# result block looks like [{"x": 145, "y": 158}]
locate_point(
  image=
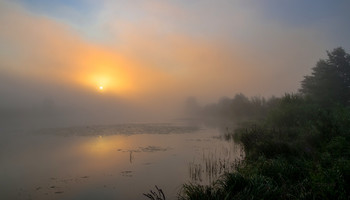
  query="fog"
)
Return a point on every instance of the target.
[
  {"x": 148, "y": 57},
  {"x": 38, "y": 104},
  {"x": 201, "y": 99}
]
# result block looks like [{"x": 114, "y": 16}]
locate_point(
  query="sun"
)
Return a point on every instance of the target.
[{"x": 101, "y": 87}]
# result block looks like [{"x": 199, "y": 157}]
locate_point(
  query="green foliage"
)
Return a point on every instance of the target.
[
  {"x": 238, "y": 109},
  {"x": 341, "y": 118},
  {"x": 200, "y": 192},
  {"x": 329, "y": 82},
  {"x": 292, "y": 110},
  {"x": 339, "y": 147},
  {"x": 328, "y": 183},
  {"x": 300, "y": 151},
  {"x": 296, "y": 146},
  {"x": 233, "y": 186},
  {"x": 252, "y": 187}
]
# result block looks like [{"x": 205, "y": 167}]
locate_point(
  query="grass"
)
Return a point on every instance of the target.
[
  {"x": 299, "y": 151},
  {"x": 158, "y": 194}
]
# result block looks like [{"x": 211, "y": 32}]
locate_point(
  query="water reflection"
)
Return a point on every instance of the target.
[
  {"x": 99, "y": 146},
  {"x": 106, "y": 166}
]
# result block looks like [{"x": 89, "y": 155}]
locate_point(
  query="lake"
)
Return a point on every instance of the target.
[{"x": 120, "y": 161}]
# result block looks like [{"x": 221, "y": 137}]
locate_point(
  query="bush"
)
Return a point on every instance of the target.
[
  {"x": 233, "y": 186},
  {"x": 300, "y": 151}
]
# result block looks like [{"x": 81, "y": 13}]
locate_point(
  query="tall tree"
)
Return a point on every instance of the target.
[{"x": 329, "y": 82}]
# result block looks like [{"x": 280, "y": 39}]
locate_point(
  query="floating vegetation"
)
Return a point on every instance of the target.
[
  {"x": 153, "y": 149},
  {"x": 108, "y": 170},
  {"x": 120, "y": 129},
  {"x": 148, "y": 149},
  {"x": 127, "y": 173}
]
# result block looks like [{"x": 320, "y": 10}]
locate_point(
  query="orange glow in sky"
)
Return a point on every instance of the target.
[
  {"x": 155, "y": 57},
  {"x": 103, "y": 70}
]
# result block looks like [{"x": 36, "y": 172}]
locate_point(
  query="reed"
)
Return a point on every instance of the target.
[{"x": 158, "y": 194}]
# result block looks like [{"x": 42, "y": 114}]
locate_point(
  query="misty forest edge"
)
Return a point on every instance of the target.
[{"x": 296, "y": 146}]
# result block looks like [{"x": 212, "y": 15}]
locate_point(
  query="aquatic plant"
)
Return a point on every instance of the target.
[
  {"x": 300, "y": 149},
  {"x": 155, "y": 195}
]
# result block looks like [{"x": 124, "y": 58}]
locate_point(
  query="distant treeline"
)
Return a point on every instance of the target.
[
  {"x": 237, "y": 109},
  {"x": 296, "y": 146},
  {"x": 327, "y": 86}
]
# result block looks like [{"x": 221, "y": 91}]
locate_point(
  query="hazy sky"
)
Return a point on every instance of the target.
[{"x": 147, "y": 52}]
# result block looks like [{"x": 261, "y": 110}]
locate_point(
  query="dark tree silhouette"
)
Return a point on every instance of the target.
[{"x": 329, "y": 82}]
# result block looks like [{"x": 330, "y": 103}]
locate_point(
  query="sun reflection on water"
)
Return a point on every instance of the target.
[{"x": 103, "y": 146}]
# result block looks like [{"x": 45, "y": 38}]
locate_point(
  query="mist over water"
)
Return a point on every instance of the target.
[
  {"x": 147, "y": 59},
  {"x": 29, "y": 104},
  {"x": 97, "y": 97},
  {"x": 107, "y": 161}
]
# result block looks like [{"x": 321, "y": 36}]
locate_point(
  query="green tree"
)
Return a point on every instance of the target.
[{"x": 329, "y": 82}]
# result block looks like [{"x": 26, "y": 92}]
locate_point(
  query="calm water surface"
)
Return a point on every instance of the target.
[{"x": 111, "y": 162}]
